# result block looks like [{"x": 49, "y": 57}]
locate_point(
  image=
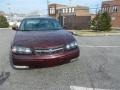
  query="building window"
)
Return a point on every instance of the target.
[
  {"x": 102, "y": 9},
  {"x": 66, "y": 10},
  {"x": 70, "y": 10},
  {"x": 52, "y": 10},
  {"x": 115, "y": 9},
  {"x": 110, "y": 9},
  {"x": 63, "y": 10},
  {"x": 105, "y": 9},
  {"x": 73, "y": 9}
]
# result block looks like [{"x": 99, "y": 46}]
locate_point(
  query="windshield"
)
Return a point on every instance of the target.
[{"x": 40, "y": 24}]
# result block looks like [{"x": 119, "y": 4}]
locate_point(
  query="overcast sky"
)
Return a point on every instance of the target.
[{"x": 26, "y": 6}]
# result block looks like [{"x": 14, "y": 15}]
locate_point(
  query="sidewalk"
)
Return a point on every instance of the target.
[{"x": 92, "y": 33}]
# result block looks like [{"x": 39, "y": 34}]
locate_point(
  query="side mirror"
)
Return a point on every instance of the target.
[
  {"x": 64, "y": 27},
  {"x": 71, "y": 32},
  {"x": 15, "y": 28}
]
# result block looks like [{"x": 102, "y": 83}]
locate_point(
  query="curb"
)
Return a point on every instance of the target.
[
  {"x": 89, "y": 35},
  {"x": 4, "y": 28}
]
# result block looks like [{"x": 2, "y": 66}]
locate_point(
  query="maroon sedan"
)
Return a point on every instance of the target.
[{"x": 42, "y": 42}]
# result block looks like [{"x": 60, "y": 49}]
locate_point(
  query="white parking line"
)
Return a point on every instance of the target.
[
  {"x": 85, "y": 88},
  {"x": 90, "y": 46}
]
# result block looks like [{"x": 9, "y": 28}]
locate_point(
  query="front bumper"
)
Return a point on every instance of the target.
[{"x": 43, "y": 61}]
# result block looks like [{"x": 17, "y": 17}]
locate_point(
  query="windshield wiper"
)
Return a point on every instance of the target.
[
  {"x": 27, "y": 30},
  {"x": 55, "y": 29}
]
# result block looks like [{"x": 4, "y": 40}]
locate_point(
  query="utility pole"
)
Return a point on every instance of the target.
[
  {"x": 70, "y": 2},
  {"x": 10, "y": 12},
  {"x": 48, "y": 7},
  {"x": 97, "y": 8},
  {"x": 9, "y": 8}
]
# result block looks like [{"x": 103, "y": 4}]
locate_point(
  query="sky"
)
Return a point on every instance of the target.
[{"x": 27, "y": 6}]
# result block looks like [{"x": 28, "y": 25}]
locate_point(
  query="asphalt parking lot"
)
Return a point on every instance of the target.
[{"x": 98, "y": 67}]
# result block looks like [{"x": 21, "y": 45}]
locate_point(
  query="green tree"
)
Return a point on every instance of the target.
[
  {"x": 102, "y": 22},
  {"x": 94, "y": 23},
  {"x": 3, "y": 22}
]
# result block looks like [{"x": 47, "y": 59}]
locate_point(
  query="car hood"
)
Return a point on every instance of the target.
[{"x": 42, "y": 39}]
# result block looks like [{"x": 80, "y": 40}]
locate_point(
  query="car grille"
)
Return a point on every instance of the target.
[{"x": 49, "y": 51}]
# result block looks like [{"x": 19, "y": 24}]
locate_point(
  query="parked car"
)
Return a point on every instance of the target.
[{"x": 42, "y": 42}]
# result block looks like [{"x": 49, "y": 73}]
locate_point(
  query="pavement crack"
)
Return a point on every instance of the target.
[
  {"x": 103, "y": 72},
  {"x": 3, "y": 77},
  {"x": 90, "y": 78}
]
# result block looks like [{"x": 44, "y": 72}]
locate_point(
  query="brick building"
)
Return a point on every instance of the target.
[
  {"x": 113, "y": 8},
  {"x": 77, "y": 17}
]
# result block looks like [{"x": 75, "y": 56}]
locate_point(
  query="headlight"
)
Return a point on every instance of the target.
[
  {"x": 71, "y": 45},
  {"x": 21, "y": 50}
]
